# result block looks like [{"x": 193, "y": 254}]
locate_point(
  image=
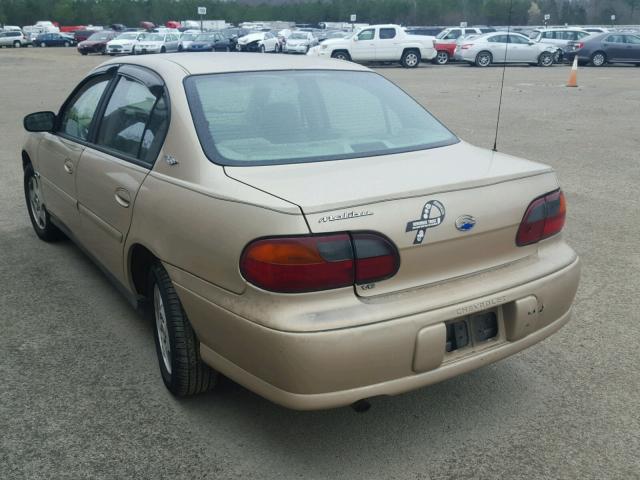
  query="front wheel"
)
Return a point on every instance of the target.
[
  {"x": 262, "y": 49},
  {"x": 410, "y": 59},
  {"x": 163, "y": 50},
  {"x": 177, "y": 347},
  {"x": 545, "y": 59},
  {"x": 38, "y": 214},
  {"x": 67, "y": 44},
  {"x": 42, "y": 44},
  {"x": 442, "y": 58},
  {"x": 483, "y": 59},
  {"x": 598, "y": 59},
  {"x": 341, "y": 55},
  {"x": 17, "y": 44}
]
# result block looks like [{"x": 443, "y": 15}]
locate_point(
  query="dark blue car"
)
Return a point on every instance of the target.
[
  {"x": 54, "y": 40},
  {"x": 210, "y": 42}
]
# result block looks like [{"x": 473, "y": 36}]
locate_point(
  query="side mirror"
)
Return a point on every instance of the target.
[{"x": 39, "y": 122}]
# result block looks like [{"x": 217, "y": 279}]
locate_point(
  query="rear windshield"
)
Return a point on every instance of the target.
[{"x": 276, "y": 117}]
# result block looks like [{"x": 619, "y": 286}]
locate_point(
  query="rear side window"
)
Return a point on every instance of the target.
[
  {"x": 126, "y": 118},
  {"x": 78, "y": 114},
  {"x": 387, "y": 33},
  {"x": 615, "y": 39}
]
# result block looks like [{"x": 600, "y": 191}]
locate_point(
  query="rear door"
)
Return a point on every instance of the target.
[
  {"x": 615, "y": 47},
  {"x": 388, "y": 45},
  {"x": 59, "y": 152},
  {"x": 129, "y": 135},
  {"x": 632, "y": 50}
]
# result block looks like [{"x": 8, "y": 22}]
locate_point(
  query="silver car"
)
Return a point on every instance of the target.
[
  {"x": 502, "y": 47},
  {"x": 560, "y": 37},
  {"x": 12, "y": 39},
  {"x": 158, "y": 43}
]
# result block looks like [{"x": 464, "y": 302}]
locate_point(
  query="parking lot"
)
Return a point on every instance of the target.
[{"x": 80, "y": 393}]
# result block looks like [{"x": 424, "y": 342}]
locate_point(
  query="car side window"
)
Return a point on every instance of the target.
[
  {"x": 632, "y": 39},
  {"x": 517, "y": 39},
  {"x": 125, "y": 118},
  {"x": 366, "y": 34},
  {"x": 387, "y": 33},
  {"x": 76, "y": 119},
  {"x": 498, "y": 39},
  {"x": 615, "y": 39},
  {"x": 453, "y": 34}
]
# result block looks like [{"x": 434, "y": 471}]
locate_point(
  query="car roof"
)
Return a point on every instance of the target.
[{"x": 204, "y": 63}]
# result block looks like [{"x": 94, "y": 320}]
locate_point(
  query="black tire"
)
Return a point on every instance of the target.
[
  {"x": 545, "y": 59},
  {"x": 410, "y": 59},
  {"x": 40, "y": 219},
  {"x": 598, "y": 59},
  {"x": 17, "y": 44},
  {"x": 441, "y": 58},
  {"x": 262, "y": 49},
  {"x": 83, "y": 53},
  {"x": 187, "y": 374},
  {"x": 341, "y": 55},
  {"x": 484, "y": 59},
  {"x": 43, "y": 45},
  {"x": 163, "y": 50},
  {"x": 180, "y": 48}
]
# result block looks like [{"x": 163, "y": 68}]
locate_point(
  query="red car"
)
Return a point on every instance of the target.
[
  {"x": 97, "y": 43},
  {"x": 446, "y": 41}
]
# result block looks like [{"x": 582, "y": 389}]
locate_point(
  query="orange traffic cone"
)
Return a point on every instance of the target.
[{"x": 573, "y": 76}]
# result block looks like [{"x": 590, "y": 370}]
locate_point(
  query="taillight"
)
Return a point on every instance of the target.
[
  {"x": 578, "y": 46},
  {"x": 318, "y": 262},
  {"x": 544, "y": 217}
]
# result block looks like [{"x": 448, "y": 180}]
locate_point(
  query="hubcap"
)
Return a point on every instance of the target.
[
  {"x": 484, "y": 60},
  {"x": 598, "y": 60},
  {"x": 161, "y": 327},
  {"x": 411, "y": 59},
  {"x": 547, "y": 60},
  {"x": 442, "y": 57},
  {"x": 35, "y": 201}
]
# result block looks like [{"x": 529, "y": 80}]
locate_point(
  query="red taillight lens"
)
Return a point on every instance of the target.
[
  {"x": 318, "y": 262},
  {"x": 544, "y": 217},
  {"x": 579, "y": 46}
]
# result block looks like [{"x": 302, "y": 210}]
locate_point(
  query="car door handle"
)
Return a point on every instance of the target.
[
  {"x": 68, "y": 166},
  {"x": 122, "y": 197}
]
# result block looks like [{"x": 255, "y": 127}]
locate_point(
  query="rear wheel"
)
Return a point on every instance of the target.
[
  {"x": 341, "y": 55},
  {"x": 442, "y": 58},
  {"x": 38, "y": 214},
  {"x": 410, "y": 59},
  {"x": 183, "y": 372},
  {"x": 42, "y": 44},
  {"x": 598, "y": 59},
  {"x": 484, "y": 59},
  {"x": 545, "y": 59},
  {"x": 67, "y": 44}
]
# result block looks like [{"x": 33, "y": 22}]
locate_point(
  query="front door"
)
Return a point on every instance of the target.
[
  {"x": 111, "y": 171},
  {"x": 615, "y": 47},
  {"x": 363, "y": 46},
  {"x": 59, "y": 152},
  {"x": 632, "y": 50}
]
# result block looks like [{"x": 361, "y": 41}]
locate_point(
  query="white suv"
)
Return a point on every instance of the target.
[{"x": 12, "y": 39}]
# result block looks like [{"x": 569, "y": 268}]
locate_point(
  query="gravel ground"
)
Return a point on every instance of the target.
[{"x": 80, "y": 391}]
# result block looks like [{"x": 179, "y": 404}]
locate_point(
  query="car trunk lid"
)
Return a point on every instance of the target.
[{"x": 451, "y": 211}]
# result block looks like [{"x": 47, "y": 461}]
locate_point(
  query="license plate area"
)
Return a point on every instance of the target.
[{"x": 474, "y": 332}]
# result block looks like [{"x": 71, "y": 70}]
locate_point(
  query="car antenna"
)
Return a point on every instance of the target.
[{"x": 504, "y": 69}]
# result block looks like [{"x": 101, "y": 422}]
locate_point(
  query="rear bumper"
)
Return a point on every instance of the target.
[{"x": 333, "y": 368}]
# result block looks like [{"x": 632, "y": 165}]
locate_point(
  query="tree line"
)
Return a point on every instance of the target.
[{"x": 406, "y": 12}]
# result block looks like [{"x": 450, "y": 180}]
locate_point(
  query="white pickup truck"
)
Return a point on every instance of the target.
[{"x": 379, "y": 43}]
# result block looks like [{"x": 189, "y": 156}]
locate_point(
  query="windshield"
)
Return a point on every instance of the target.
[
  {"x": 127, "y": 36},
  {"x": 188, "y": 36},
  {"x": 96, "y": 37},
  {"x": 275, "y": 117},
  {"x": 204, "y": 37},
  {"x": 155, "y": 37},
  {"x": 298, "y": 36}
]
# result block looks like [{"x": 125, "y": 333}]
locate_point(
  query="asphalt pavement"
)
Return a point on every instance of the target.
[{"x": 80, "y": 391}]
